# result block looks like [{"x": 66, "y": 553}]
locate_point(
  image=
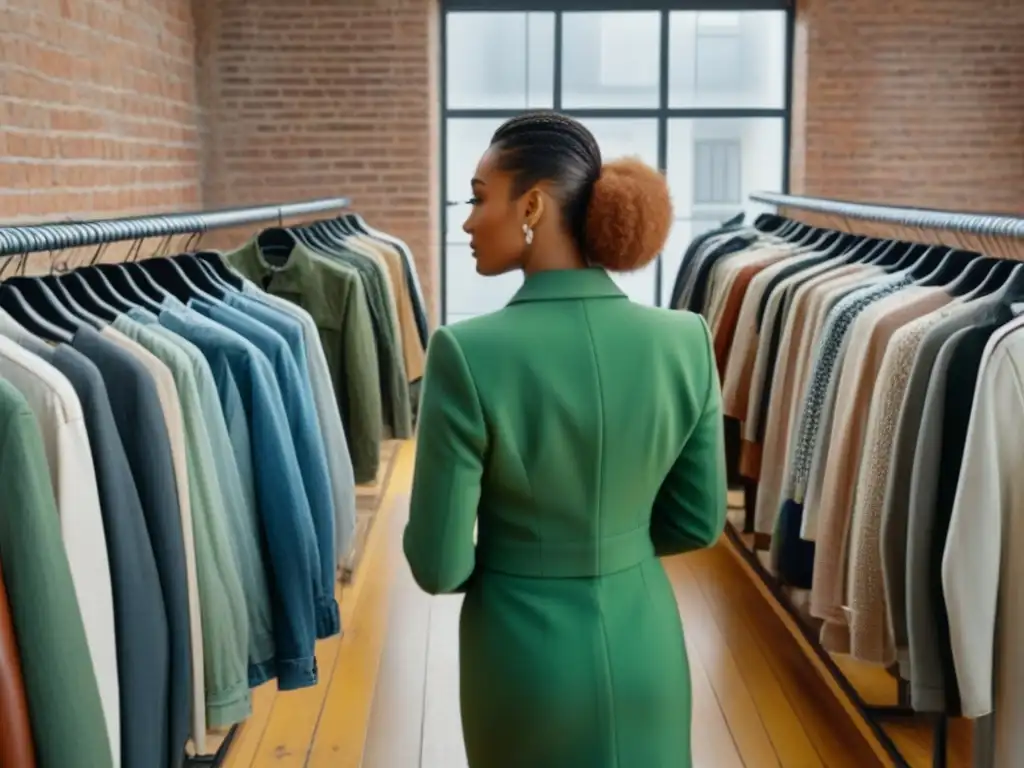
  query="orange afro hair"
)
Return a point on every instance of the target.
[{"x": 629, "y": 216}]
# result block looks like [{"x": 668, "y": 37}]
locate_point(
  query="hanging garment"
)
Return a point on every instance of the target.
[
  {"x": 285, "y": 519},
  {"x": 342, "y": 475},
  {"x": 239, "y": 498},
  {"x": 136, "y": 409},
  {"x": 16, "y": 747},
  {"x": 69, "y": 456},
  {"x": 335, "y": 299},
  {"x": 354, "y": 258},
  {"x": 980, "y": 569},
  {"x": 221, "y": 596},
  {"x": 170, "y": 405},
  {"x": 64, "y": 703},
  {"x": 140, "y": 618},
  {"x": 309, "y": 447}
]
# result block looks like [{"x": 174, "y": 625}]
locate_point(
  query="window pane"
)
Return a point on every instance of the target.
[
  {"x": 470, "y": 294},
  {"x": 500, "y": 60},
  {"x": 466, "y": 293},
  {"x": 725, "y": 59},
  {"x": 619, "y": 138},
  {"x": 610, "y": 59},
  {"x": 714, "y": 165}
]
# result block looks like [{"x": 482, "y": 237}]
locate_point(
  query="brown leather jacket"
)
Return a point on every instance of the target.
[{"x": 16, "y": 746}]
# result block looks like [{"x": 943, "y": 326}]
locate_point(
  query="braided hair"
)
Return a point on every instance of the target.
[{"x": 619, "y": 213}]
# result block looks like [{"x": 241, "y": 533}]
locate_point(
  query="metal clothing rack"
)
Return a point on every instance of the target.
[
  {"x": 54, "y": 236},
  {"x": 918, "y": 218}
]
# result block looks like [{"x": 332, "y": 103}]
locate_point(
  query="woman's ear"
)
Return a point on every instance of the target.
[{"x": 534, "y": 206}]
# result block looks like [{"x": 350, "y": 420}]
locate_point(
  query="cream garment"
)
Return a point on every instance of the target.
[
  {"x": 825, "y": 301},
  {"x": 871, "y": 637},
  {"x": 69, "y": 455},
  {"x": 171, "y": 406},
  {"x": 412, "y": 347},
  {"x": 868, "y": 338},
  {"x": 796, "y": 346},
  {"x": 982, "y": 569},
  {"x": 752, "y": 430}
]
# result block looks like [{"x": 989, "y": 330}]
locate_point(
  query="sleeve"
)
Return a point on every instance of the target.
[
  {"x": 989, "y": 490},
  {"x": 450, "y": 450},
  {"x": 689, "y": 510},
  {"x": 361, "y": 377}
]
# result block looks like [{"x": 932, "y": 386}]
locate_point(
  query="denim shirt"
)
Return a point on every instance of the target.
[
  {"x": 305, "y": 430},
  {"x": 285, "y": 518}
]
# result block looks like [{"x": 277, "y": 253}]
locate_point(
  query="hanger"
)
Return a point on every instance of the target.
[
  {"x": 276, "y": 245},
  {"x": 193, "y": 270},
  {"x": 119, "y": 279},
  {"x": 214, "y": 263},
  {"x": 91, "y": 281},
  {"x": 955, "y": 263},
  {"x": 76, "y": 292},
  {"x": 14, "y": 302},
  {"x": 169, "y": 275},
  {"x": 142, "y": 278}
]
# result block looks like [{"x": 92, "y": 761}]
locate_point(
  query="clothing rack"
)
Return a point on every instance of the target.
[
  {"x": 53, "y": 236},
  {"x": 972, "y": 224},
  {"x": 922, "y": 218},
  {"x": 37, "y": 238}
]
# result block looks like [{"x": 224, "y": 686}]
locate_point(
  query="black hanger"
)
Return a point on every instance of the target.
[
  {"x": 96, "y": 280},
  {"x": 952, "y": 264},
  {"x": 53, "y": 328},
  {"x": 973, "y": 276},
  {"x": 167, "y": 274},
  {"x": 193, "y": 269},
  {"x": 999, "y": 274},
  {"x": 215, "y": 262},
  {"x": 276, "y": 245},
  {"x": 94, "y": 315}
]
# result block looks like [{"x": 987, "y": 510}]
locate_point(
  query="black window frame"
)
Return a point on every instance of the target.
[{"x": 662, "y": 113}]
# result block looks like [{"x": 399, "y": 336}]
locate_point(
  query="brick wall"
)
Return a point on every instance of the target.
[
  {"x": 308, "y": 98},
  {"x": 98, "y": 110},
  {"x": 911, "y": 102}
]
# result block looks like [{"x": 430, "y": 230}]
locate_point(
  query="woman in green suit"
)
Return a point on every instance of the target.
[{"x": 582, "y": 434}]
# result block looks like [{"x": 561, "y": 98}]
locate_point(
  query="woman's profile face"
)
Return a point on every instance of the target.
[{"x": 495, "y": 223}]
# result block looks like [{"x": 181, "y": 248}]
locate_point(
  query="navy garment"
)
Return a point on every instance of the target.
[
  {"x": 307, "y": 437},
  {"x": 285, "y": 519},
  {"x": 139, "y": 419}
]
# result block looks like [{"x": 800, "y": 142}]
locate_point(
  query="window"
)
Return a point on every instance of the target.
[{"x": 710, "y": 111}]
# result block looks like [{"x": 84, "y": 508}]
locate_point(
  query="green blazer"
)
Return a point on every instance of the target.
[{"x": 582, "y": 434}]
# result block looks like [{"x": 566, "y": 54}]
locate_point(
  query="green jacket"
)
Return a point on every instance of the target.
[
  {"x": 60, "y": 686},
  {"x": 582, "y": 434}
]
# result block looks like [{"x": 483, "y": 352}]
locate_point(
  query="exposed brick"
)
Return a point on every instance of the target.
[{"x": 910, "y": 102}]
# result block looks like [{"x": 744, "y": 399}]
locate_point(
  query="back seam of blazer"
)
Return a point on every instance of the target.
[{"x": 609, "y": 682}]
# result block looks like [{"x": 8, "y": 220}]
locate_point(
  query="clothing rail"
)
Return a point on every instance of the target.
[
  {"x": 37, "y": 238},
  {"x": 54, "y": 236},
  {"x": 922, "y": 218}
]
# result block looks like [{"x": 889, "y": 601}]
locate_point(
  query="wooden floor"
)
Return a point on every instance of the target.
[{"x": 388, "y": 696}]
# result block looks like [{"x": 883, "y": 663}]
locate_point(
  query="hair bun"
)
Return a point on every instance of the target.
[{"x": 629, "y": 216}]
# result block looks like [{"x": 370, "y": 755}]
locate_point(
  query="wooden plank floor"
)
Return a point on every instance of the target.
[{"x": 388, "y": 695}]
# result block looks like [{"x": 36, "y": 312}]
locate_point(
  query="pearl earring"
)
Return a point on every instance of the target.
[{"x": 528, "y": 232}]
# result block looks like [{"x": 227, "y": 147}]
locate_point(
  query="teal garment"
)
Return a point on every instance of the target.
[
  {"x": 222, "y": 600},
  {"x": 583, "y": 435},
  {"x": 240, "y": 505},
  {"x": 63, "y": 697}
]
